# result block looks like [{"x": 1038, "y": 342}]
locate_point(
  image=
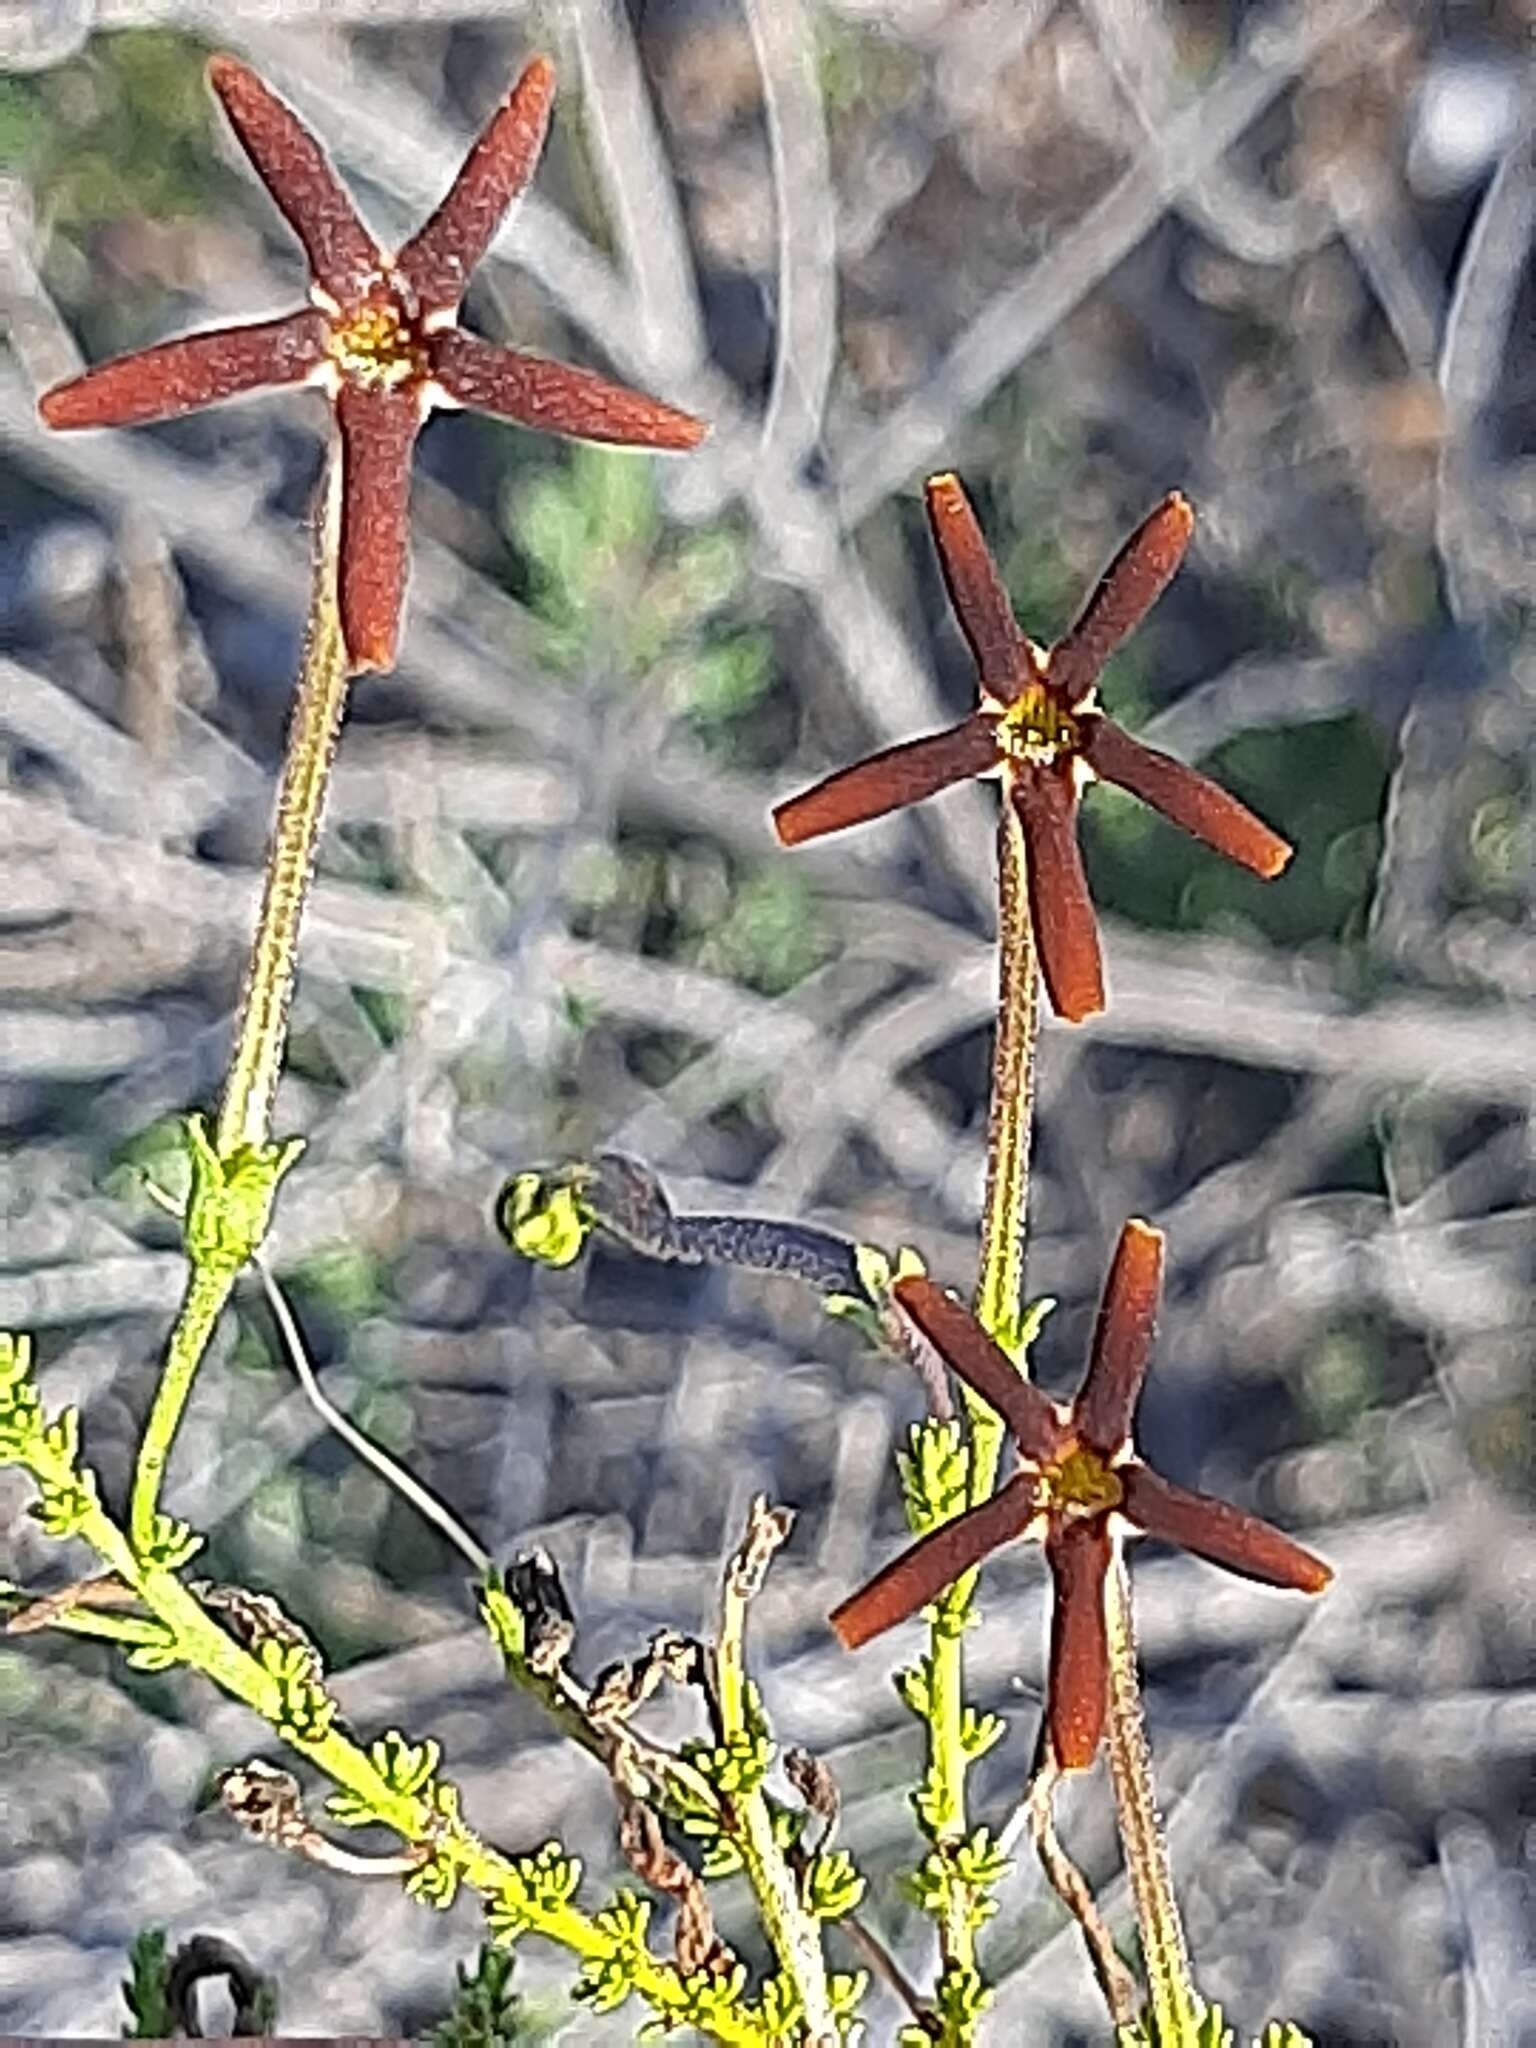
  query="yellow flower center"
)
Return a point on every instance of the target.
[
  {"x": 1035, "y": 729},
  {"x": 1079, "y": 1483},
  {"x": 377, "y": 346}
]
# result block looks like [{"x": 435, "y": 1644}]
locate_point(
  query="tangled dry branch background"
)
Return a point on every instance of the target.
[{"x": 1278, "y": 256}]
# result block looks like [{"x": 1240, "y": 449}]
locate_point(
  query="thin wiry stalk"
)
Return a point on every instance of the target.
[
  {"x": 245, "y": 1112},
  {"x": 1174, "y": 2001},
  {"x": 1072, "y": 1888},
  {"x": 421, "y": 1498}
]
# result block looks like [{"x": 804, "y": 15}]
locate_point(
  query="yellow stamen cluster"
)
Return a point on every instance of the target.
[
  {"x": 1035, "y": 729},
  {"x": 377, "y": 346},
  {"x": 1079, "y": 1483}
]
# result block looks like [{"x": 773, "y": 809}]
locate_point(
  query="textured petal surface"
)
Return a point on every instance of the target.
[
  {"x": 556, "y": 398},
  {"x": 888, "y": 781},
  {"x": 301, "y": 178},
  {"x": 1216, "y": 1530},
  {"x": 1079, "y": 1681},
  {"x": 1127, "y": 591},
  {"x": 1202, "y": 807},
  {"x": 1066, "y": 930},
  {"x": 196, "y": 370},
  {"x": 439, "y": 260},
  {"x": 976, "y": 590},
  {"x": 967, "y": 1350},
  {"x": 378, "y": 431},
  {"x": 1122, "y": 1339},
  {"x": 921, "y": 1573}
]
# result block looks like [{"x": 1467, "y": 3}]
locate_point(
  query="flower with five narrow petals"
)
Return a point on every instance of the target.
[
  {"x": 1080, "y": 1486},
  {"x": 1037, "y": 722},
  {"x": 381, "y": 336}
]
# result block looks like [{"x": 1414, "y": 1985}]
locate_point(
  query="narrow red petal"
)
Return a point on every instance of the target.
[
  {"x": 1216, "y": 1530},
  {"x": 976, "y": 590},
  {"x": 1077, "y": 1694},
  {"x": 967, "y": 1350},
  {"x": 1066, "y": 930},
  {"x": 922, "y": 1572},
  {"x": 301, "y": 179},
  {"x": 1127, "y": 591},
  {"x": 195, "y": 370},
  {"x": 555, "y": 398},
  {"x": 440, "y": 258},
  {"x": 1122, "y": 1340},
  {"x": 378, "y": 432},
  {"x": 1185, "y": 796},
  {"x": 888, "y": 781}
]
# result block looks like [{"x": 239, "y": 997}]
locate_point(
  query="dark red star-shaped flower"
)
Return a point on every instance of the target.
[
  {"x": 382, "y": 337},
  {"x": 1036, "y": 720},
  {"x": 1080, "y": 1487}
]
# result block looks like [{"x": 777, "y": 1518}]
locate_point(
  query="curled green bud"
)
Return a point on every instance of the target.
[{"x": 543, "y": 1219}]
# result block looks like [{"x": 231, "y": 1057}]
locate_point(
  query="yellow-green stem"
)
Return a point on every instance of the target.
[
  {"x": 793, "y": 1934},
  {"x": 208, "y": 1288},
  {"x": 1175, "y": 2004},
  {"x": 245, "y": 1112},
  {"x": 999, "y": 1307}
]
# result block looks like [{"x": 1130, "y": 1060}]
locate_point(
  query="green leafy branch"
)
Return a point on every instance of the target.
[{"x": 392, "y": 1782}]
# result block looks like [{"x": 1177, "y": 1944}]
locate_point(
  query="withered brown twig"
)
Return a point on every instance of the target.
[{"x": 267, "y": 1804}]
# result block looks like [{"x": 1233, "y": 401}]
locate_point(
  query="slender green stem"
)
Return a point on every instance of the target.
[
  {"x": 245, "y": 1113},
  {"x": 999, "y": 1307},
  {"x": 1175, "y": 2004},
  {"x": 244, "y": 1122},
  {"x": 208, "y": 1288},
  {"x": 793, "y": 1933}
]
